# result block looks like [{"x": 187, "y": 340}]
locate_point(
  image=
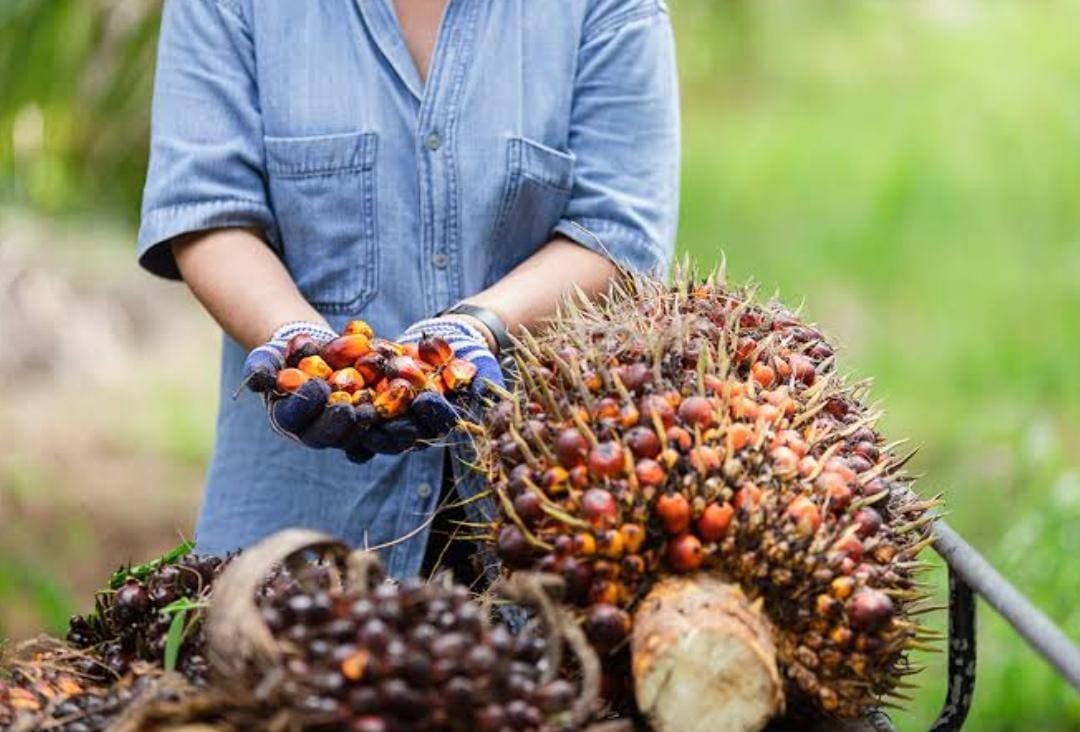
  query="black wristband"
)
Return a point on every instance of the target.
[{"x": 490, "y": 320}]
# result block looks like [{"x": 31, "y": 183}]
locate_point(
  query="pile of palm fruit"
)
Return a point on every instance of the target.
[{"x": 668, "y": 429}]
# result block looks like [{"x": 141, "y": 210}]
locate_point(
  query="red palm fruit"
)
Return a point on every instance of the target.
[
  {"x": 291, "y": 379},
  {"x": 785, "y": 462},
  {"x": 529, "y": 508},
  {"x": 674, "y": 512},
  {"x": 791, "y": 439},
  {"x": 802, "y": 369},
  {"x": 395, "y": 400},
  {"x": 763, "y": 374},
  {"x": 697, "y": 411},
  {"x": 607, "y": 460},
  {"x": 649, "y": 472},
  {"x": 584, "y": 544},
  {"x": 807, "y": 466},
  {"x": 830, "y": 483},
  {"x": 606, "y": 625},
  {"x": 868, "y": 522},
  {"x": 554, "y": 480},
  {"x": 300, "y": 346},
  {"x": 407, "y": 368},
  {"x": 839, "y": 465},
  {"x": 859, "y": 463},
  {"x": 783, "y": 368},
  {"x": 714, "y": 521},
  {"x": 738, "y": 436},
  {"x": 339, "y": 397},
  {"x": 434, "y": 351},
  {"x": 680, "y": 438},
  {"x": 633, "y": 537},
  {"x": 685, "y": 553},
  {"x": 745, "y": 348},
  {"x": 654, "y": 404},
  {"x": 870, "y": 609},
  {"x": 610, "y": 544},
  {"x": 643, "y": 442},
  {"x": 868, "y": 450},
  {"x": 634, "y": 376},
  {"x": 344, "y": 350},
  {"x": 458, "y": 374},
  {"x": 744, "y": 408},
  {"x": 633, "y": 566},
  {"x": 579, "y": 476},
  {"x": 769, "y": 414},
  {"x": 315, "y": 367},
  {"x": 358, "y": 327},
  {"x": 806, "y": 515},
  {"x": 380, "y": 385},
  {"x": 714, "y": 384},
  {"x": 673, "y": 397},
  {"x": 387, "y": 349},
  {"x": 571, "y": 448},
  {"x": 347, "y": 379},
  {"x": 606, "y": 408},
  {"x": 839, "y": 495},
  {"x": 372, "y": 366},
  {"x": 705, "y": 459},
  {"x": 411, "y": 350},
  {"x": 599, "y": 508},
  {"x": 578, "y": 576},
  {"x": 849, "y": 546}
]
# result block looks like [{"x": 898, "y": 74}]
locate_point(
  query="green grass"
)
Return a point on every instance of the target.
[{"x": 915, "y": 178}]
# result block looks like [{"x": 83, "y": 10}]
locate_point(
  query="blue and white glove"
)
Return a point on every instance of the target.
[
  {"x": 304, "y": 414},
  {"x": 436, "y": 414}
]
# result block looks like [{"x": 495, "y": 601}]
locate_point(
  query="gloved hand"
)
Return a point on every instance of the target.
[{"x": 304, "y": 414}]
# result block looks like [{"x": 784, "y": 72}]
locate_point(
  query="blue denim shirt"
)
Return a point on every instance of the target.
[{"x": 390, "y": 199}]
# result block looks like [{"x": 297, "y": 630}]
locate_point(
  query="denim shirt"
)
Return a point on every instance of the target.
[{"x": 389, "y": 198}]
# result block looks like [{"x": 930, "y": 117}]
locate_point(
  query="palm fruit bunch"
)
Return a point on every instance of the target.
[
  {"x": 672, "y": 428},
  {"x": 132, "y": 618},
  {"x": 358, "y": 381},
  {"x": 415, "y": 655}
]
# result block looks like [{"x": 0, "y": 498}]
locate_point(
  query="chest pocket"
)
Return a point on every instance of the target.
[
  {"x": 537, "y": 189},
  {"x": 323, "y": 193}
]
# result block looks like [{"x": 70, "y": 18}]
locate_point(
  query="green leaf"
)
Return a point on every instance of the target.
[
  {"x": 141, "y": 571},
  {"x": 183, "y": 604},
  {"x": 174, "y": 639}
]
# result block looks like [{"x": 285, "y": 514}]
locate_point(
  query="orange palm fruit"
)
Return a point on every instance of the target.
[
  {"x": 344, "y": 350},
  {"x": 300, "y": 346},
  {"x": 674, "y": 512},
  {"x": 347, "y": 379},
  {"x": 315, "y": 367},
  {"x": 394, "y": 400},
  {"x": 339, "y": 397},
  {"x": 633, "y": 537},
  {"x": 434, "y": 351},
  {"x": 407, "y": 368},
  {"x": 685, "y": 553},
  {"x": 291, "y": 379},
  {"x": 458, "y": 373},
  {"x": 714, "y": 521},
  {"x": 358, "y": 327}
]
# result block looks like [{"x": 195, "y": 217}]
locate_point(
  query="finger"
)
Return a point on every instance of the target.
[
  {"x": 298, "y": 410},
  {"x": 433, "y": 413},
  {"x": 261, "y": 368},
  {"x": 329, "y": 428}
]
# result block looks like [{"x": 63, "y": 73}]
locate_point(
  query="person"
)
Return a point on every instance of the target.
[{"x": 317, "y": 162}]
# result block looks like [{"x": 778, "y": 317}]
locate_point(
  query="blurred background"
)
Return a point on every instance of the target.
[{"x": 911, "y": 171}]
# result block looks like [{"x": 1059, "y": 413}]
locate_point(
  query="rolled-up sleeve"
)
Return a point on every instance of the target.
[
  {"x": 206, "y": 154},
  {"x": 624, "y": 134}
]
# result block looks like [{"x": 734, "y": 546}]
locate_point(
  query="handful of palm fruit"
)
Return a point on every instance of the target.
[{"x": 357, "y": 381}]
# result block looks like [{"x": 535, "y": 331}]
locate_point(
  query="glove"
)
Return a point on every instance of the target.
[
  {"x": 435, "y": 414},
  {"x": 304, "y": 414}
]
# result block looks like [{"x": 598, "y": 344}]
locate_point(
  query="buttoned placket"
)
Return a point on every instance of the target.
[{"x": 437, "y": 174}]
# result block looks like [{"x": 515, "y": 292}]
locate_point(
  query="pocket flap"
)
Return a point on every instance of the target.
[
  {"x": 542, "y": 164},
  {"x": 300, "y": 157}
]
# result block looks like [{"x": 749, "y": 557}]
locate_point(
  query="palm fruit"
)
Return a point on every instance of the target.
[
  {"x": 716, "y": 432},
  {"x": 128, "y": 623},
  {"x": 412, "y": 656}
]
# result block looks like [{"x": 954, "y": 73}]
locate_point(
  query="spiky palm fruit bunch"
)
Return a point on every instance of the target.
[
  {"x": 666, "y": 429},
  {"x": 131, "y": 619},
  {"x": 412, "y": 656}
]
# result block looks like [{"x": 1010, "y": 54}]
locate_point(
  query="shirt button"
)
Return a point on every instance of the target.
[
  {"x": 440, "y": 260},
  {"x": 433, "y": 141},
  {"x": 423, "y": 490}
]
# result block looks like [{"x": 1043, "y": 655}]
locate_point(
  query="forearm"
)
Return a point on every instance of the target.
[
  {"x": 532, "y": 290},
  {"x": 241, "y": 283}
]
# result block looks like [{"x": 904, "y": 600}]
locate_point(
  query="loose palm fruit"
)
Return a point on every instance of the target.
[
  {"x": 607, "y": 460},
  {"x": 434, "y": 351},
  {"x": 649, "y": 472},
  {"x": 394, "y": 400},
  {"x": 358, "y": 327},
  {"x": 674, "y": 511},
  {"x": 405, "y": 367},
  {"x": 685, "y": 553},
  {"x": 571, "y": 447},
  {"x": 714, "y": 521},
  {"x": 599, "y": 508},
  {"x": 643, "y": 442},
  {"x": 300, "y": 346},
  {"x": 347, "y": 380},
  {"x": 372, "y": 367},
  {"x": 291, "y": 379},
  {"x": 345, "y": 350},
  {"x": 339, "y": 397},
  {"x": 458, "y": 374}
]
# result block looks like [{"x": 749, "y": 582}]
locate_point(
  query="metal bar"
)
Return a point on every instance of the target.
[
  {"x": 961, "y": 656},
  {"x": 1032, "y": 625}
]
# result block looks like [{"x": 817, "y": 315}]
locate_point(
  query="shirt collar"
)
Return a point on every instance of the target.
[{"x": 382, "y": 24}]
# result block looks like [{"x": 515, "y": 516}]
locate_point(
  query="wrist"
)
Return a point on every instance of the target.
[
  {"x": 490, "y": 323},
  {"x": 477, "y": 325}
]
